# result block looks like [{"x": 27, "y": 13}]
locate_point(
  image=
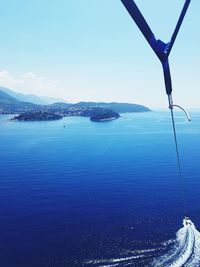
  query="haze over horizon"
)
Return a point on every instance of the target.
[{"x": 93, "y": 51}]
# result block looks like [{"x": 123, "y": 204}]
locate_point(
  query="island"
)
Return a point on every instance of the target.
[
  {"x": 104, "y": 115},
  {"x": 37, "y": 116},
  {"x": 95, "y": 114}
]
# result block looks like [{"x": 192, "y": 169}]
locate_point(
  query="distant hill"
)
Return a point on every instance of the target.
[
  {"x": 52, "y": 100},
  {"x": 7, "y": 99},
  {"x": 38, "y": 100},
  {"x": 117, "y": 107},
  {"x": 9, "y": 104},
  {"x": 60, "y": 105}
]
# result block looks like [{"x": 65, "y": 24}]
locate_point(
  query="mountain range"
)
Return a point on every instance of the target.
[
  {"x": 12, "y": 102},
  {"x": 38, "y": 100},
  {"x": 7, "y": 99}
]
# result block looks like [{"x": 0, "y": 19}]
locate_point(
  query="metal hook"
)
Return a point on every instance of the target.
[
  {"x": 186, "y": 113},
  {"x": 171, "y": 106}
]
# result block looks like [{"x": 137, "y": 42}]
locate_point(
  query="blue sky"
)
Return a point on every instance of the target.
[{"x": 93, "y": 51}]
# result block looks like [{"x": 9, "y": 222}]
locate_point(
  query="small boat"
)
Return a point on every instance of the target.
[{"x": 187, "y": 221}]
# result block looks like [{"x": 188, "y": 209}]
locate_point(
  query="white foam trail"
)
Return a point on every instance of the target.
[
  {"x": 186, "y": 251},
  {"x": 116, "y": 260},
  {"x": 126, "y": 260}
]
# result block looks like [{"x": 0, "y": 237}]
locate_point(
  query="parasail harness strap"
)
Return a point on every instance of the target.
[{"x": 162, "y": 50}]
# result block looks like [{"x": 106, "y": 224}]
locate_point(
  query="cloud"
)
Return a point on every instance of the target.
[{"x": 31, "y": 83}]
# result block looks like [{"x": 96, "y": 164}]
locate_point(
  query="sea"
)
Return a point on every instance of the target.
[{"x": 80, "y": 193}]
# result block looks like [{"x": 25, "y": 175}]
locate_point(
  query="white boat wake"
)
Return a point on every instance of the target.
[{"x": 184, "y": 251}]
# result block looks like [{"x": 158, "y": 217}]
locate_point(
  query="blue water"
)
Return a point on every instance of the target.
[{"x": 91, "y": 192}]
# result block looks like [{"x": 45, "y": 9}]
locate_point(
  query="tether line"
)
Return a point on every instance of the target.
[{"x": 178, "y": 160}]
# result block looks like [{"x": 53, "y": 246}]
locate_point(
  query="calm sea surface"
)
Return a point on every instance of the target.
[{"x": 90, "y": 194}]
